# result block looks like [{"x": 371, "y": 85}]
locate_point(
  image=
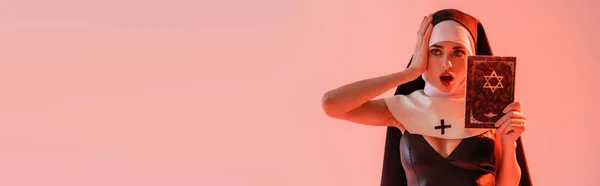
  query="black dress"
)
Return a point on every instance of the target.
[{"x": 473, "y": 158}]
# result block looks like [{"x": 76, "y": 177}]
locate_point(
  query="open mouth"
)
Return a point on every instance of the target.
[{"x": 446, "y": 78}]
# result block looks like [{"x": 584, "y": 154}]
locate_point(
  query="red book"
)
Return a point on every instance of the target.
[{"x": 490, "y": 88}]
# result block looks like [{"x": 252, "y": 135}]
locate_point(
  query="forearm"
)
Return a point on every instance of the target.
[
  {"x": 351, "y": 96},
  {"x": 509, "y": 172}
]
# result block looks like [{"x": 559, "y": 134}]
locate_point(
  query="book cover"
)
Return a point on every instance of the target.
[{"x": 490, "y": 88}]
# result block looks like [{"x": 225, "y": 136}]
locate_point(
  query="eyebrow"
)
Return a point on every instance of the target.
[{"x": 456, "y": 47}]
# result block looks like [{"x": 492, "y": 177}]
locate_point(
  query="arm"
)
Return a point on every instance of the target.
[
  {"x": 353, "y": 102},
  {"x": 510, "y": 128},
  {"x": 509, "y": 172}
]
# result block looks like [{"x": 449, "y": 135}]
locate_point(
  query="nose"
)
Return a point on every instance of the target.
[{"x": 447, "y": 65}]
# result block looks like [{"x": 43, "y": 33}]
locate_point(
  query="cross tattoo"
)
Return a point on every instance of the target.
[{"x": 443, "y": 127}]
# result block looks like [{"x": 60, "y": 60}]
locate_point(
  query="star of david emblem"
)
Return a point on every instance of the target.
[{"x": 487, "y": 81}]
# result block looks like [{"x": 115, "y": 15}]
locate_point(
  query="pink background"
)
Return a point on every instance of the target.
[{"x": 227, "y": 93}]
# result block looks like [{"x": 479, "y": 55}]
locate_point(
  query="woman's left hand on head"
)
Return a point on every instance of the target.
[{"x": 512, "y": 124}]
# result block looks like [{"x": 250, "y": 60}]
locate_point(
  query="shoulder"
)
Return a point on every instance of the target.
[{"x": 400, "y": 99}]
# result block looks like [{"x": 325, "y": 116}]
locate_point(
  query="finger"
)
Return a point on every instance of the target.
[
  {"x": 510, "y": 114},
  {"x": 507, "y": 129},
  {"x": 509, "y": 121},
  {"x": 517, "y": 121},
  {"x": 515, "y": 106},
  {"x": 422, "y": 25},
  {"x": 502, "y": 120},
  {"x": 427, "y": 35},
  {"x": 516, "y": 131},
  {"x": 502, "y": 127},
  {"x": 420, "y": 34},
  {"x": 518, "y": 128},
  {"x": 515, "y": 114},
  {"x": 512, "y": 125}
]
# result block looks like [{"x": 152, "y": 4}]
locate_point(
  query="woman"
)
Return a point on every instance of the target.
[{"x": 436, "y": 74}]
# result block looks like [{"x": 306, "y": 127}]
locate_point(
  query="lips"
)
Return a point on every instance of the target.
[{"x": 446, "y": 78}]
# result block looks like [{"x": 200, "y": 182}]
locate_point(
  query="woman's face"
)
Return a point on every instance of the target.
[{"x": 446, "y": 65}]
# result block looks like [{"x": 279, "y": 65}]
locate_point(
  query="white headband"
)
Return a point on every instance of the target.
[{"x": 450, "y": 30}]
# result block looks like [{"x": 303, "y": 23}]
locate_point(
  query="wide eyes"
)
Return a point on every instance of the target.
[
  {"x": 436, "y": 52},
  {"x": 457, "y": 53}
]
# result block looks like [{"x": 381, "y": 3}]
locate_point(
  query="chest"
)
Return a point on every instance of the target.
[
  {"x": 434, "y": 161},
  {"x": 443, "y": 147}
]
